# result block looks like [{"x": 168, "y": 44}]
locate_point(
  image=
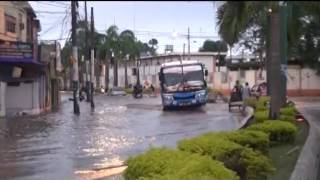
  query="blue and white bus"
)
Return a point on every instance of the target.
[{"x": 183, "y": 84}]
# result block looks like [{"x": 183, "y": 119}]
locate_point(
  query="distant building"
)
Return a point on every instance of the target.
[
  {"x": 23, "y": 78},
  {"x": 150, "y": 66},
  {"x": 224, "y": 71}
]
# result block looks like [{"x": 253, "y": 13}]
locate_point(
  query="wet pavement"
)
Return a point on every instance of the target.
[{"x": 61, "y": 145}]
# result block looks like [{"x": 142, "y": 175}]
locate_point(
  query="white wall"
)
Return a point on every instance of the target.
[{"x": 149, "y": 70}]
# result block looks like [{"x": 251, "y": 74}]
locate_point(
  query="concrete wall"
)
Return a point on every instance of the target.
[
  {"x": 300, "y": 81},
  {"x": 23, "y": 98},
  {"x": 149, "y": 70}
]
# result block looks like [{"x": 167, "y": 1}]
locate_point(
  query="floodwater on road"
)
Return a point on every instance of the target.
[{"x": 59, "y": 144}]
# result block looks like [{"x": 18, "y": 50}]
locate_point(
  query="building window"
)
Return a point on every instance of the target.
[{"x": 10, "y": 23}]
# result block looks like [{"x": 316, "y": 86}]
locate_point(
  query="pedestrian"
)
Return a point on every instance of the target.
[
  {"x": 238, "y": 89},
  {"x": 246, "y": 91}
]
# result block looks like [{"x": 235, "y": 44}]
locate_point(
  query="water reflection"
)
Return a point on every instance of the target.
[{"x": 61, "y": 145}]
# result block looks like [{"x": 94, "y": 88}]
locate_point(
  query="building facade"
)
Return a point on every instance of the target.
[{"x": 23, "y": 76}]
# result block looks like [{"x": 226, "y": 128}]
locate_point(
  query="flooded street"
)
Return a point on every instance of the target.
[{"x": 60, "y": 144}]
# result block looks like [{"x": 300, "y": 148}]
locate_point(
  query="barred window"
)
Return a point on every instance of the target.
[{"x": 10, "y": 23}]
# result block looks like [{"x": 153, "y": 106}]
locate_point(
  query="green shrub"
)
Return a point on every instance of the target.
[
  {"x": 264, "y": 99},
  {"x": 168, "y": 164},
  {"x": 262, "y": 102},
  {"x": 261, "y": 116},
  {"x": 279, "y": 131},
  {"x": 288, "y": 111},
  {"x": 254, "y": 139},
  {"x": 220, "y": 149},
  {"x": 252, "y": 101},
  {"x": 257, "y": 165},
  {"x": 233, "y": 155},
  {"x": 287, "y": 118}
]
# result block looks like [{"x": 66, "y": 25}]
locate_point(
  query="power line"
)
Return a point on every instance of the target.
[
  {"x": 50, "y": 12},
  {"x": 55, "y": 5}
]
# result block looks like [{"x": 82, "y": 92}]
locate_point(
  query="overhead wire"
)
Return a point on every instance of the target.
[{"x": 55, "y": 5}]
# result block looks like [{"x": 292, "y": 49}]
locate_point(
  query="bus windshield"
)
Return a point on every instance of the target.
[{"x": 176, "y": 79}]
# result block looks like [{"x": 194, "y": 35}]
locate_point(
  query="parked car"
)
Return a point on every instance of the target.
[{"x": 117, "y": 91}]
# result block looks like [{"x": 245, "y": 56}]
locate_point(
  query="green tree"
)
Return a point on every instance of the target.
[
  {"x": 246, "y": 23},
  {"x": 154, "y": 45},
  {"x": 213, "y": 46},
  {"x": 128, "y": 48}
]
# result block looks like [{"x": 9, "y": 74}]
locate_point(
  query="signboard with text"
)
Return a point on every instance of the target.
[{"x": 15, "y": 51}]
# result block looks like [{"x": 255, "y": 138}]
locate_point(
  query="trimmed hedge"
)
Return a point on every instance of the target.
[
  {"x": 257, "y": 140},
  {"x": 287, "y": 118},
  {"x": 251, "y": 101},
  {"x": 163, "y": 163},
  {"x": 279, "y": 131},
  {"x": 261, "y": 116},
  {"x": 261, "y": 103},
  {"x": 288, "y": 111},
  {"x": 233, "y": 155},
  {"x": 264, "y": 99},
  {"x": 257, "y": 165}
]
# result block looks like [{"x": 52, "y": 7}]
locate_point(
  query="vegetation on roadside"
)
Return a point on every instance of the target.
[
  {"x": 167, "y": 164},
  {"x": 242, "y": 154}
]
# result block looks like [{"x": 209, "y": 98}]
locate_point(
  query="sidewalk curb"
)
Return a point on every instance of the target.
[
  {"x": 307, "y": 166},
  {"x": 249, "y": 115}
]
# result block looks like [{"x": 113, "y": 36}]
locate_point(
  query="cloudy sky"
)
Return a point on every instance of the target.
[{"x": 167, "y": 21}]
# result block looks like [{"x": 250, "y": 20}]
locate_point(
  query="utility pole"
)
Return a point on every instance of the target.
[
  {"x": 88, "y": 89},
  {"x": 115, "y": 72},
  {"x": 268, "y": 53},
  {"x": 92, "y": 59},
  {"x": 274, "y": 64},
  {"x": 75, "y": 77},
  {"x": 107, "y": 74},
  {"x": 283, "y": 52},
  {"x": 188, "y": 43},
  {"x": 184, "y": 47},
  {"x": 125, "y": 70}
]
